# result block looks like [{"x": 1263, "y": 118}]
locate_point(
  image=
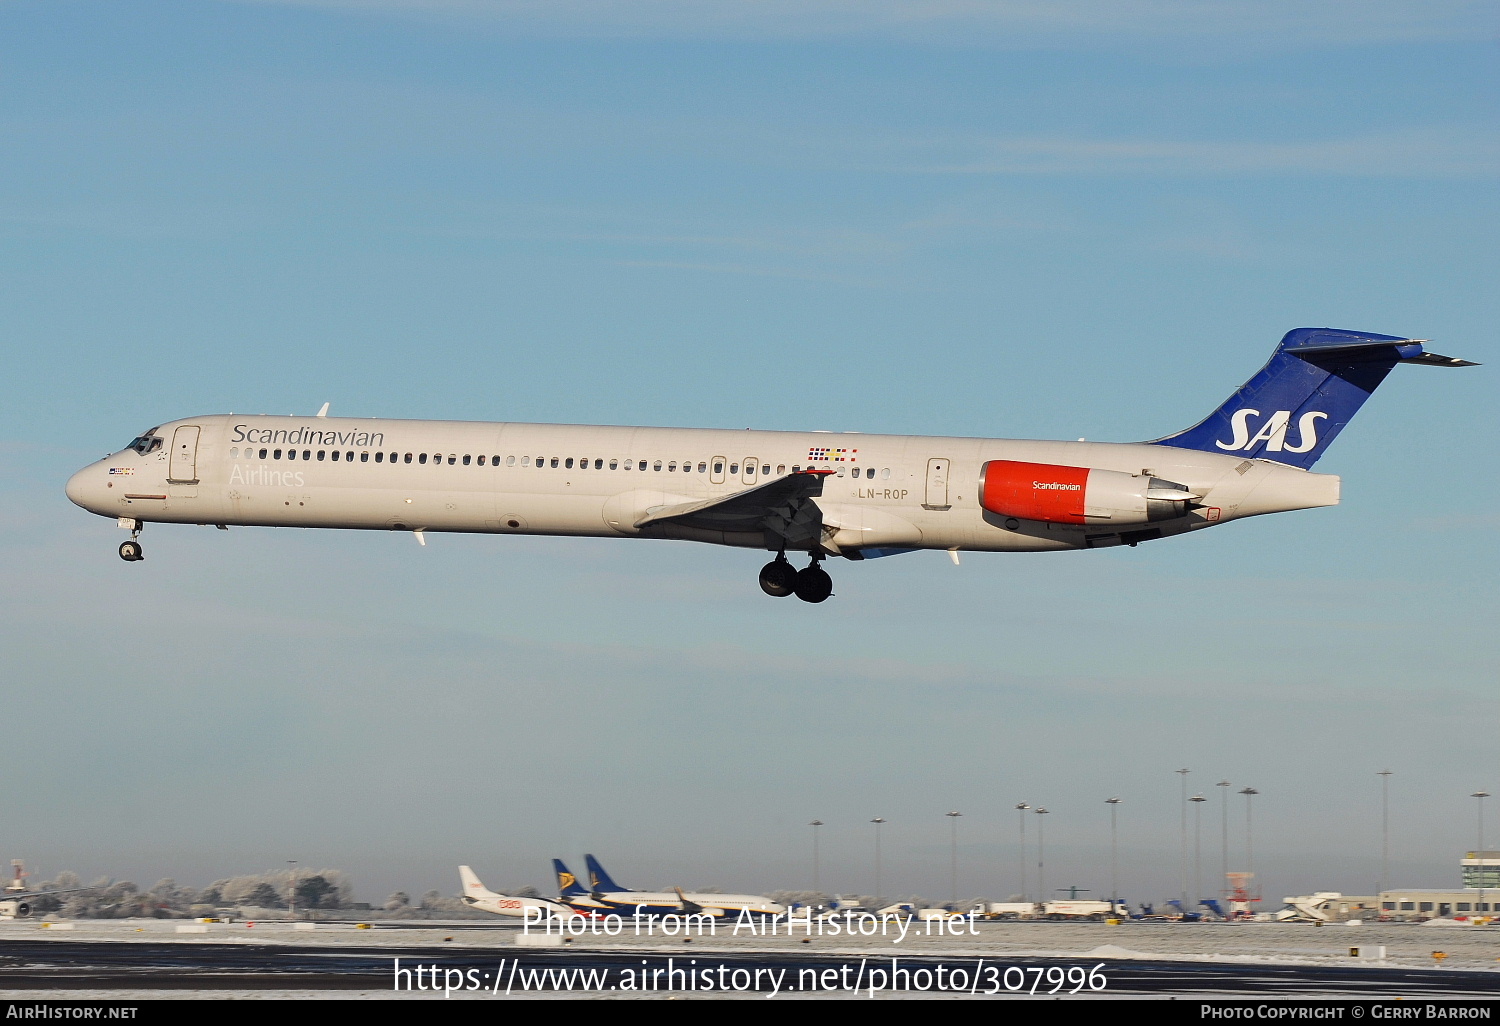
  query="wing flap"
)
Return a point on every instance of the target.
[{"x": 781, "y": 500}]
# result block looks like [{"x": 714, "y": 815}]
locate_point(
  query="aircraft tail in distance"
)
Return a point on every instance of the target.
[{"x": 599, "y": 879}]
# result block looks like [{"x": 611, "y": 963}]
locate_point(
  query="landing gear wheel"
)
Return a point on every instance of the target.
[
  {"x": 814, "y": 584},
  {"x": 130, "y": 552},
  {"x": 778, "y": 578}
]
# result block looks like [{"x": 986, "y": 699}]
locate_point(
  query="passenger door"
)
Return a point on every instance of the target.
[{"x": 182, "y": 467}]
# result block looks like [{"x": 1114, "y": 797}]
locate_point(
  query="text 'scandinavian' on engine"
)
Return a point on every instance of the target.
[{"x": 798, "y": 494}]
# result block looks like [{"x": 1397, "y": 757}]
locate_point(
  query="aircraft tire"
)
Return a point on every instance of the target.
[
  {"x": 778, "y": 579},
  {"x": 130, "y": 552},
  {"x": 814, "y": 584}
]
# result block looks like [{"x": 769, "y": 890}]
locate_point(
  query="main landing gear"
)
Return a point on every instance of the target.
[
  {"x": 130, "y": 551},
  {"x": 810, "y": 584}
]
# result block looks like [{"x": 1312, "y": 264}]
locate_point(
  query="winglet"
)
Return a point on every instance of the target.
[
  {"x": 324, "y": 411},
  {"x": 689, "y": 908}
]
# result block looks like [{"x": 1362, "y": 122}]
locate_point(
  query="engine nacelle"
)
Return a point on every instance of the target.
[
  {"x": 14, "y": 909},
  {"x": 1078, "y": 495}
]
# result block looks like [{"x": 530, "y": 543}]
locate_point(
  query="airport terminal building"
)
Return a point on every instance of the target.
[{"x": 1478, "y": 896}]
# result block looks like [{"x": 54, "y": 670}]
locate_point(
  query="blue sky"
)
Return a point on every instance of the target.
[{"x": 1009, "y": 219}]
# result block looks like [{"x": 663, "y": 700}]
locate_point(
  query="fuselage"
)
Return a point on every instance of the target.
[{"x": 879, "y": 492}]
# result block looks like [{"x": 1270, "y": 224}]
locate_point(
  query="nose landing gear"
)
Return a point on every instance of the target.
[
  {"x": 812, "y": 584},
  {"x": 130, "y": 551}
]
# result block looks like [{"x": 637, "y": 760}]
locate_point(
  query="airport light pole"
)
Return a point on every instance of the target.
[
  {"x": 1022, "y": 808},
  {"x": 1182, "y": 854},
  {"x": 1224, "y": 839},
  {"x": 815, "y": 824},
  {"x": 1041, "y": 855},
  {"x": 291, "y": 901},
  {"x": 877, "y": 821},
  {"x": 953, "y": 820},
  {"x": 1479, "y": 797},
  {"x": 1197, "y": 801},
  {"x": 1385, "y": 828},
  {"x": 1114, "y": 886},
  {"x": 1249, "y": 792}
]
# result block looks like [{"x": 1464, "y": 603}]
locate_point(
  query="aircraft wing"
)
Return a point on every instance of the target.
[{"x": 783, "y": 507}]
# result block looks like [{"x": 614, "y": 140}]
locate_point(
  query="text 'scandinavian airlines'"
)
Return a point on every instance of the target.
[{"x": 813, "y": 494}]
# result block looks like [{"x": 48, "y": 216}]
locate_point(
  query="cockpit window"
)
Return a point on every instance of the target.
[{"x": 144, "y": 444}]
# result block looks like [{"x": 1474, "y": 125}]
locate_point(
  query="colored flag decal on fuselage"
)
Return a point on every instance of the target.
[{"x": 823, "y": 453}]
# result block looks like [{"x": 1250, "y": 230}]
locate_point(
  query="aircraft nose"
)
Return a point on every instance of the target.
[{"x": 78, "y": 487}]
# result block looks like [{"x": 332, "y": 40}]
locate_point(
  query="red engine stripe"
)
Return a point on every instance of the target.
[{"x": 1035, "y": 491}]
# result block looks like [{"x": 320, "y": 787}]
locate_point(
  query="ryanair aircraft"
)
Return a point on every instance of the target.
[
  {"x": 794, "y": 493},
  {"x": 605, "y": 897}
]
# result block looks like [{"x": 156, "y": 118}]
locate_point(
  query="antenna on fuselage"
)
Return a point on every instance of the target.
[{"x": 324, "y": 411}]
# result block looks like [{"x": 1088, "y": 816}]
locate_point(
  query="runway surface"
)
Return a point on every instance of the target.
[{"x": 51, "y": 965}]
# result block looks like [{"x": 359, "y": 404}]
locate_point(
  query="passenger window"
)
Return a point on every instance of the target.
[
  {"x": 643, "y": 466},
  {"x": 672, "y": 467},
  {"x": 495, "y": 460},
  {"x": 421, "y": 457},
  {"x": 841, "y": 472},
  {"x": 869, "y": 473},
  {"x": 885, "y": 473},
  {"x": 510, "y": 461},
  {"x": 796, "y": 469},
  {"x": 364, "y": 457},
  {"x": 349, "y": 456},
  {"x": 734, "y": 468},
  {"x": 452, "y": 459},
  {"x": 234, "y": 452},
  {"x": 553, "y": 464},
  {"x": 322, "y": 454},
  {"x": 599, "y": 465},
  {"x": 703, "y": 468},
  {"x": 780, "y": 468},
  {"x": 656, "y": 465},
  {"x": 568, "y": 463},
  {"x": 380, "y": 457},
  {"x": 466, "y": 460}
]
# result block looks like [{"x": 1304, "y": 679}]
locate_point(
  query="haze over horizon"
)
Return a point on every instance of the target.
[{"x": 1007, "y": 220}]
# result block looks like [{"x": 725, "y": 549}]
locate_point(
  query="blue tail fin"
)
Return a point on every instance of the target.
[
  {"x": 567, "y": 884},
  {"x": 599, "y": 878},
  {"x": 1312, "y": 386}
]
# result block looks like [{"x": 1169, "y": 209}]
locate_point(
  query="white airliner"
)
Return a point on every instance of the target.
[
  {"x": 477, "y": 895},
  {"x": 789, "y": 492}
]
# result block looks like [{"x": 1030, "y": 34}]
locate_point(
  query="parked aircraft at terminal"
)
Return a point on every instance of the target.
[{"x": 789, "y": 492}]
